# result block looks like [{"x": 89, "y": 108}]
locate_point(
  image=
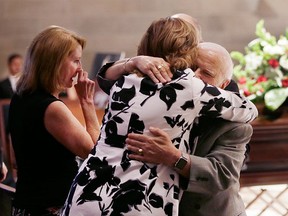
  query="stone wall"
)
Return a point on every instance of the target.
[{"x": 117, "y": 25}]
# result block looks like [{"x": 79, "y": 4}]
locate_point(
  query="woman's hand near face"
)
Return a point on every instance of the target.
[
  {"x": 63, "y": 125},
  {"x": 85, "y": 88}
]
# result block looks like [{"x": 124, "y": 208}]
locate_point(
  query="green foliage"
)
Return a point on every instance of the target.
[{"x": 262, "y": 71}]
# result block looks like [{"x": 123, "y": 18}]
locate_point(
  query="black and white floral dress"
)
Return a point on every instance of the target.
[{"x": 108, "y": 183}]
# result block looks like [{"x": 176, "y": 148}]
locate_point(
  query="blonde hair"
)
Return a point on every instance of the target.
[
  {"x": 44, "y": 58},
  {"x": 172, "y": 39}
]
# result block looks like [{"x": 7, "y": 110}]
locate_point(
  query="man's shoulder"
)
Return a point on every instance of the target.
[
  {"x": 5, "y": 85},
  {"x": 221, "y": 124},
  {"x": 5, "y": 89},
  {"x": 225, "y": 130},
  {"x": 5, "y": 81},
  {"x": 234, "y": 129},
  {"x": 231, "y": 125}
]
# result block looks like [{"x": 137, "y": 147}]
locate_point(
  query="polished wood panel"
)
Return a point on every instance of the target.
[
  {"x": 75, "y": 108},
  {"x": 268, "y": 159}
]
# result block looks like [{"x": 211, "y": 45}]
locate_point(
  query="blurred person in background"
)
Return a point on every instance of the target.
[
  {"x": 7, "y": 89},
  {"x": 15, "y": 67}
]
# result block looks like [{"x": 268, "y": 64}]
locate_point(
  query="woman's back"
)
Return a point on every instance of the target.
[
  {"x": 108, "y": 182},
  {"x": 136, "y": 103},
  {"x": 108, "y": 176}
]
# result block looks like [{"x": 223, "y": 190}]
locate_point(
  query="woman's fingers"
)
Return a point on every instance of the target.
[
  {"x": 156, "y": 68},
  {"x": 161, "y": 71},
  {"x": 164, "y": 70},
  {"x": 85, "y": 87}
]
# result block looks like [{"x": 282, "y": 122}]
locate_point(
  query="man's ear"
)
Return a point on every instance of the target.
[{"x": 225, "y": 84}]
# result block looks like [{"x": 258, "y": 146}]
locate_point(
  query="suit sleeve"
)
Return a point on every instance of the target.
[
  {"x": 214, "y": 102},
  {"x": 221, "y": 167}
]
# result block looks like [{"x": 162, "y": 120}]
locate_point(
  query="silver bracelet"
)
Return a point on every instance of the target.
[{"x": 125, "y": 65}]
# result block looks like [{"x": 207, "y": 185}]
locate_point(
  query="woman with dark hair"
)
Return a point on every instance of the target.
[{"x": 108, "y": 182}]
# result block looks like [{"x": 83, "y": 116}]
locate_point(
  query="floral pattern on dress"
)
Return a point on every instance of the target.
[{"x": 108, "y": 182}]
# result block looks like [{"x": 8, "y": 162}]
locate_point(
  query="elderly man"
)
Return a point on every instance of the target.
[{"x": 218, "y": 146}]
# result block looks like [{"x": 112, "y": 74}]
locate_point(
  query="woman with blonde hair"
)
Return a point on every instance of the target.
[
  {"x": 109, "y": 182},
  {"x": 46, "y": 136}
]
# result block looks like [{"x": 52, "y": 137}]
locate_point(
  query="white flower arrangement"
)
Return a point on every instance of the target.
[{"x": 262, "y": 72}]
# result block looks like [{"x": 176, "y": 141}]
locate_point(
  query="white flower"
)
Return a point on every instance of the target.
[
  {"x": 284, "y": 62},
  {"x": 253, "y": 61},
  {"x": 264, "y": 67},
  {"x": 253, "y": 42},
  {"x": 264, "y": 43},
  {"x": 274, "y": 50},
  {"x": 267, "y": 34},
  {"x": 283, "y": 42}
]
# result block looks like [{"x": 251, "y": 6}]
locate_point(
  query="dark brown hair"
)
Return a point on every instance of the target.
[
  {"x": 13, "y": 56},
  {"x": 172, "y": 39}
]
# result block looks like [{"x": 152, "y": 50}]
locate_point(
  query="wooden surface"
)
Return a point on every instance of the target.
[
  {"x": 268, "y": 159},
  {"x": 75, "y": 108}
]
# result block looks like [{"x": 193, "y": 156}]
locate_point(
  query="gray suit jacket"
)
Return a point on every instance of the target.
[{"x": 214, "y": 176}]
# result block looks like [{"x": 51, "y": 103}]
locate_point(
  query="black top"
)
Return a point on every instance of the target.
[
  {"x": 6, "y": 89},
  {"x": 45, "y": 167}
]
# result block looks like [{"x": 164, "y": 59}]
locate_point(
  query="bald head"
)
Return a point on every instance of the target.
[
  {"x": 191, "y": 20},
  {"x": 214, "y": 63}
]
